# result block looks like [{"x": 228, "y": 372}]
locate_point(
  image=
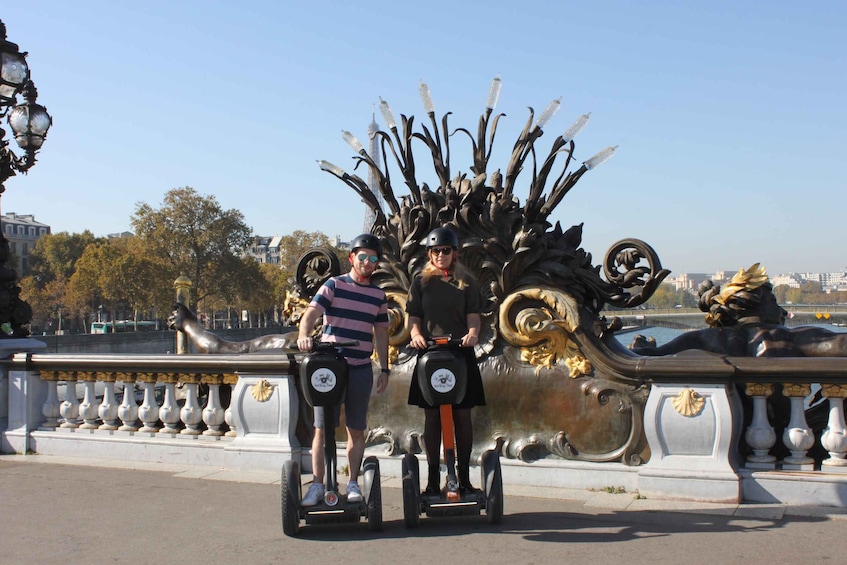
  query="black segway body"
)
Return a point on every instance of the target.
[
  {"x": 442, "y": 377},
  {"x": 324, "y": 377}
]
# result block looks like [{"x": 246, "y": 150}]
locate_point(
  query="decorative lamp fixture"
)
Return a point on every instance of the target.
[
  {"x": 13, "y": 69},
  {"x": 29, "y": 123}
]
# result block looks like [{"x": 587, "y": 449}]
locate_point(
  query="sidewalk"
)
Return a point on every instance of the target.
[{"x": 70, "y": 510}]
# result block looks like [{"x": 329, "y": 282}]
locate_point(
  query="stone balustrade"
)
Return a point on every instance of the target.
[{"x": 151, "y": 408}]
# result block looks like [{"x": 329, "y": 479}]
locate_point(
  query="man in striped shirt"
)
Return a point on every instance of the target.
[{"x": 352, "y": 309}]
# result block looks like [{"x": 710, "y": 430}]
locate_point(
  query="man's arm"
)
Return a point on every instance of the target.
[
  {"x": 381, "y": 343},
  {"x": 307, "y": 324}
]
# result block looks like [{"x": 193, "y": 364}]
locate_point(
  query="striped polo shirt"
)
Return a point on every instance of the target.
[{"x": 351, "y": 311}]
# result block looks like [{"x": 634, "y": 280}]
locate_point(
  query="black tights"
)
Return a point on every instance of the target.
[{"x": 463, "y": 427}]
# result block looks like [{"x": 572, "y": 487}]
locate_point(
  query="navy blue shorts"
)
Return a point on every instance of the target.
[{"x": 359, "y": 386}]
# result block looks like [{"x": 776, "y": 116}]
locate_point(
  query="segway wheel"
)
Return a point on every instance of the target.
[
  {"x": 374, "y": 505},
  {"x": 411, "y": 491},
  {"x": 493, "y": 484},
  {"x": 290, "y": 498}
]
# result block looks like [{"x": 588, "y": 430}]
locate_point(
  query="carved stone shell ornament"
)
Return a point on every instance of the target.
[
  {"x": 688, "y": 403},
  {"x": 262, "y": 390}
]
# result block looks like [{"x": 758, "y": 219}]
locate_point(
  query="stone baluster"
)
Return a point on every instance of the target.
[
  {"x": 191, "y": 413},
  {"x": 760, "y": 436},
  {"x": 230, "y": 381},
  {"x": 169, "y": 411},
  {"x": 148, "y": 412},
  {"x": 128, "y": 410},
  {"x": 798, "y": 436},
  {"x": 89, "y": 405},
  {"x": 69, "y": 409},
  {"x": 108, "y": 410},
  {"x": 213, "y": 413},
  {"x": 50, "y": 408},
  {"x": 834, "y": 437}
]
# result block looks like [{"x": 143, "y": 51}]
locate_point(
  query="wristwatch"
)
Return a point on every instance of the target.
[{"x": 386, "y": 371}]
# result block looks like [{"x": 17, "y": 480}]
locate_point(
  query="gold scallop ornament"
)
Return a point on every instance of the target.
[
  {"x": 688, "y": 403},
  {"x": 262, "y": 390}
]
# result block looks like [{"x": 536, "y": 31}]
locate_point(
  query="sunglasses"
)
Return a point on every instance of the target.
[
  {"x": 442, "y": 250},
  {"x": 365, "y": 257}
]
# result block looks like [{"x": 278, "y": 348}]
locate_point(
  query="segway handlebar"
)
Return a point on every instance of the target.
[
  {"x": 443, "y": 340},
  {"x": 324, "y": 345}
]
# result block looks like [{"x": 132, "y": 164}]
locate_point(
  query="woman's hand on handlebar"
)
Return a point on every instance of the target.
[
  {"x": 418, "y": 342},
  {"x": 469, "y": 340},
  {"x": 304, "y": 343}
]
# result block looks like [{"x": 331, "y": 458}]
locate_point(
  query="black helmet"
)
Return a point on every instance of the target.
[
  {"x": 442, "y": 236},
  {"x": 367, "y": 241}
]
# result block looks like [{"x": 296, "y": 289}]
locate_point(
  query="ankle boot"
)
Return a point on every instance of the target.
[
  {"x": 432, "y": 487},
  {"x": 465, "y": 486}
]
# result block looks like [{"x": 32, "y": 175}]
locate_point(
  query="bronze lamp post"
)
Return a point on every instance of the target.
[{"x": 29, "y": 123}]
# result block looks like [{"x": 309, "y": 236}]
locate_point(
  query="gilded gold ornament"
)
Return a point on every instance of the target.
[
  {"x": 262, "y": 390},
  {"x": 542, "y": 331},
  {"x": 790, "y": 390},
  {"x": 834, "y": 391},
  {"x": 759, "y": 389},
  {"x": 688, "y": 403}
]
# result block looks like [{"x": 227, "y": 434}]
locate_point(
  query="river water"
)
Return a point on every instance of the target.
[{"x": 664, "y": 335}]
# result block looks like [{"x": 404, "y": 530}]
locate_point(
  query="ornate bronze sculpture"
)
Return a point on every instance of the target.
[
  {"x": 745, "y": 321},
  {"x": 545, "y": 397}
]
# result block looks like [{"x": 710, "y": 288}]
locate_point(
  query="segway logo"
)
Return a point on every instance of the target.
[
  {"x": 323, "y": 380},
  {"x": 443, "y": 380}
]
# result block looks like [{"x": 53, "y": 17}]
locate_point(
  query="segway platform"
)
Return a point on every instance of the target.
[
  {"x": 441, "y": 374},
  {"x": 323, "y": 374}
]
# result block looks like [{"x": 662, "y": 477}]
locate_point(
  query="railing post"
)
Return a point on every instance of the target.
[
  {"x": 798, "y": 436},
  {"x": 108, "y": 410},
  {"x": 128, "y": 410},
  {"x": 182, "y": 285},
  {"x": 760, "y": 436},
  {"x": 69, "y": 409},
  {"x": 834, "y": 437}
]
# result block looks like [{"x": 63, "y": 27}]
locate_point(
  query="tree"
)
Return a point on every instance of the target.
[
  {"x": 191, "y": 235},
  {"x": 52, "y": 263},
  {"x": 667, "y": 296},
  {"x": 55, "y": 255},
  {"x": 122, "y": 275}
]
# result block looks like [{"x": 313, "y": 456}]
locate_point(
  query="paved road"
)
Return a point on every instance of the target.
[{"x": 72, "y": 514}]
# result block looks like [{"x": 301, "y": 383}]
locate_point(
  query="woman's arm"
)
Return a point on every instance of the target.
[
  {"x": 470, "y": 339},
  {"x": 418, "y": 341}
]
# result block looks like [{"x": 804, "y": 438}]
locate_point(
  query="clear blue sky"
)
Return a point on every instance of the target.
[{"x": 729, "y": 115}]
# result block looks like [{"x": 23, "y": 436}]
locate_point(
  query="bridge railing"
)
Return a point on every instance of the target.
[{"x": 693, "y": 420}]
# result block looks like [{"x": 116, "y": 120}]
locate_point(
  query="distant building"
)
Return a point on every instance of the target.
[
  {"x": 791, "y": 280},
  {"x": 341, "y": 244},
  {"x": 22, "y": 231},
  {"x": 688, "y": 281},
  {"x": 120, "y": 235},
  {"x": 265, "y": 249}
]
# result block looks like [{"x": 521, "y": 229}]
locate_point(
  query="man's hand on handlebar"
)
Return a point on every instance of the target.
[
  {"x": 304, "y": 343},
  {"x": 469, "y": 340}
]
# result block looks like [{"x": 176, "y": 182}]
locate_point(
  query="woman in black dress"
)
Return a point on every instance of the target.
[{"x": 445, "y": 300}]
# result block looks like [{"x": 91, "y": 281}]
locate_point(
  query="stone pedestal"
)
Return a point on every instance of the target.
[
  {"x": 22, "y": 395},
  {"x": 264, "y": 412},
  {"x": 692, "y": 441}
]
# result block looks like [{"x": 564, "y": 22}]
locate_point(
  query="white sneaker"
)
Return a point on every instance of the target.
[
  {"x": 353, "y": 492},
  {"x": 314, "y": 495}
]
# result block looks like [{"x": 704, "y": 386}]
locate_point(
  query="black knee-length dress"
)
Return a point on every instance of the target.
[{"x": 443, "y": 305}]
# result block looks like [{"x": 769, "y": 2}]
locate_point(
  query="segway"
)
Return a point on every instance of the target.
[
  {"x": 441, "y": 374},
  {"x": 323, "y": 375}
]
